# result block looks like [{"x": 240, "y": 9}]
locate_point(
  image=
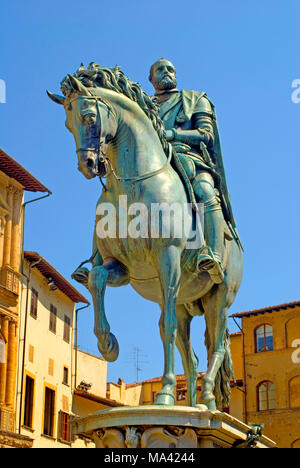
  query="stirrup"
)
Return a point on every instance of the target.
[{"x": 208, "y": 262}]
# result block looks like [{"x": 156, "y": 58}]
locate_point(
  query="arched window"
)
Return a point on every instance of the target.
[
  {"x": 292, "y": 331},
  {"x": 266, "y": 396},
  {"x": 264, "y": 338},
  {"x": 294, "y": 390}
]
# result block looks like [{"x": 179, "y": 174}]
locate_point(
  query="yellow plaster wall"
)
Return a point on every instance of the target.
[
  {"x": 92, "y": 369},
  {"x": 237, "y": 355}
]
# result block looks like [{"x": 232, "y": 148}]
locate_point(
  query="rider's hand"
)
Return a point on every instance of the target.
[{"x": 170, "y": 135}]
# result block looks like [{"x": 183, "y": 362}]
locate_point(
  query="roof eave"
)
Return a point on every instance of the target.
[{"x": 47, "y": 270}]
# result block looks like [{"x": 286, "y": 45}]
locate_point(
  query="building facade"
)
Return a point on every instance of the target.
[
  {"x": 14, "y": 181},
  {"x": 46, "y": 360},
  {"x": 270, "y": 346}
]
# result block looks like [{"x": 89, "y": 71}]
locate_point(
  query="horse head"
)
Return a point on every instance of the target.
[{"x": 93, "y": 123}]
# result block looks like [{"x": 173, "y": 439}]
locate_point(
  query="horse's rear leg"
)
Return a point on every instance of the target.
[
  {"x": 113, "y": 274},
  {"x": 215, "y": 305},
  {"x": 170, "y": 275},
  {"x": 189, "y": 359}
]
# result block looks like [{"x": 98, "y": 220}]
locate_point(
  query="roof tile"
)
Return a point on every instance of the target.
[{"x": 13, "y": 169}]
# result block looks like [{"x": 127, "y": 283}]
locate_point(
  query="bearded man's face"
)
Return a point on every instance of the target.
[{"x": 163, "y": 76}]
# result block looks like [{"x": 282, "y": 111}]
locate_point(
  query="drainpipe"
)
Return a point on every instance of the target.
[
  {"x": 37, "y": 199},
  {"x": 76, "y": 341},
  {"x": 244, "y": 368}
]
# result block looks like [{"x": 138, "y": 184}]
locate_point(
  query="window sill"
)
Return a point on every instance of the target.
[
  {"x": 64, "y": 442},
  {"x": 27, "y": 428},
  {"x": 48, "y": 437}
]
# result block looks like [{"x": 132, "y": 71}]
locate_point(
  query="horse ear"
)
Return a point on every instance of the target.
[
  {"x": 56, "y": 98},
  {"x": 78, "y": 86}
]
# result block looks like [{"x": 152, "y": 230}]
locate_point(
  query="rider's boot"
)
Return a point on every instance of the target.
[{"x": 210, "y": 256}]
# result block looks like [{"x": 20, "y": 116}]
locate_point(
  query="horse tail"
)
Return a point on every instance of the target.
[
  {"x": 225, "y": 374},
  {"x": 222, "y": 389}
]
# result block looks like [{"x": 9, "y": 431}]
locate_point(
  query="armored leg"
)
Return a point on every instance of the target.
[{"x": 211, "y": 255}]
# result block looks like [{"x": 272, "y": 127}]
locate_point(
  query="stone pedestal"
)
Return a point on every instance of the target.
[{"x": 166, "y": 427}]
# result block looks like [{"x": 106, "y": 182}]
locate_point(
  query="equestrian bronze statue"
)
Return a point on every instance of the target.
[{"x": 159, "y": 159}]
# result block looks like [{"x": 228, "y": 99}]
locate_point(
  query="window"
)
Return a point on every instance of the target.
[
  {"x": 294, "y": 388},
  {"x": 28, "y": 404},
  {"x": 34, "y": 303},
  {"x": 292, "y": 331},
  {"x": 53, "y": 316},
  {"x": 49, "y": 412},
  {"x": 266, "y": 396},
  {"x": 66, "y": 376},
  {"x": 67, "y": 326},
  {"x": 181, "y": 392},
  {"x": 64, "y": 427},
  {"x": 264, "y": 338}
]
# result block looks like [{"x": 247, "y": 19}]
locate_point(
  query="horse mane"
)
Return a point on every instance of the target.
[{"x": 114, "y": 79}]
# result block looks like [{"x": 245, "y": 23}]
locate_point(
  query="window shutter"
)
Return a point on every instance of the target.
[
  {"x": 65, "y": 403},
  {"x": 60, "y": 422},
  {"x": 31, "y": 353},
  {"x": 51, "y": 367}
]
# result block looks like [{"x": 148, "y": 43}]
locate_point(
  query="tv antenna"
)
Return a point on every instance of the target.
[{"x": 137, "y": 359}]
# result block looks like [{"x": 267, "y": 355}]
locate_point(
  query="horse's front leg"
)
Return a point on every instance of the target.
[
  {"x": 170, "y": 275},
  {"x": 189, "y": 358},
  {"x": 115, "y": 274}
]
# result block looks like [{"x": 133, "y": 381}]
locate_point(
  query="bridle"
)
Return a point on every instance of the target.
[
  {"x": 101, "y": 153},
  {"x": 100, "y": 150}
]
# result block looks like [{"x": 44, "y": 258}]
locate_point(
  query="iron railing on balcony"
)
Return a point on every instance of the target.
[
  {"x": 10, "y": 279},
  {"x": 7, "y": 420}
]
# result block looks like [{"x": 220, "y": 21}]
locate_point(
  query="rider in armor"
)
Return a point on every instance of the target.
[{"x": 190, "y": 122}]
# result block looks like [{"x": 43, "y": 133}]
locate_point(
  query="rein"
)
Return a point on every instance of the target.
[{"x": 144, "y": 176}]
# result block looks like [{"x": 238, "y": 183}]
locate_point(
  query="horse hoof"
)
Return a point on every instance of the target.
[
  {"x": 209, "y": 404},
  {"x": 109, "y": 351},
  {"x": 81, "y": 275},
  {"x": 208, "y": 399},
  {"x": 166, "y": 399},
  {"x": 201, "y": 407}
]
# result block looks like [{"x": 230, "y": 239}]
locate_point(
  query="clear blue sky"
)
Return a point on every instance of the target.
[{"x": 245, "y": 55}]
